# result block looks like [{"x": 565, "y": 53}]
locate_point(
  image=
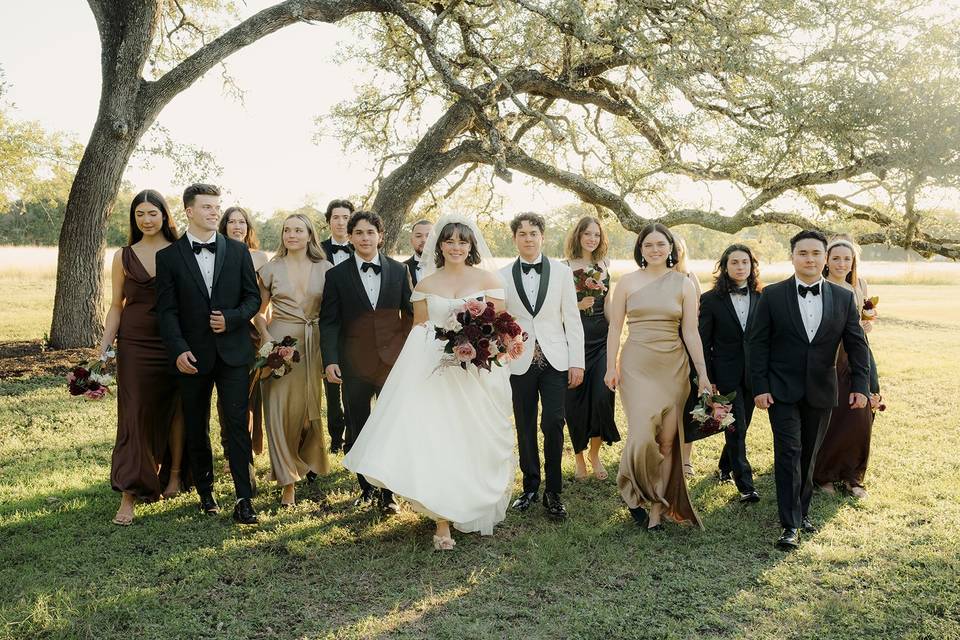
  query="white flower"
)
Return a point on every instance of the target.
[
  {"x": 452, "y": 324},
  {"x": 104, "y": 379},
  {"x": 265, "y": 349},
  {"x": 278, "y": 373}
]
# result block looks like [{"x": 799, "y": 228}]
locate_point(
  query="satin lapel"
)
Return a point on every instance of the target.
[
  {"x": 518, "y": 283},
  {"x": 754, "y": 299},
  {"x": 794, "y": 308},
  {"x": 359, "y": 290},
  {"x": 826, "y": 292},
  {"x": 190, "y": 261},
  {"x": 386, "y": 270},
  {"x": 221, "y": 257},
  {"x": 728, "y": 303},
  {"x": 544, "y": 284}
]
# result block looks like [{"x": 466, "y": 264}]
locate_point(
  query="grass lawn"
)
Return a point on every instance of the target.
[{"x": 885, "y": 568}]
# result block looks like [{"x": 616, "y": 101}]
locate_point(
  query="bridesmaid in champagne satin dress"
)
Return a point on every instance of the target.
[
  {"x": 292, "y": 286},
  {"x": 659, "y": 306}
]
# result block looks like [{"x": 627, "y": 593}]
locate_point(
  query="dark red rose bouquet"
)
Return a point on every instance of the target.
[
  {"x": 476, "y": 334},
  {"x": 588, "y": 282},
  {"x": 714, "y": 412},
  {"x": 277, "y": 358},
  {"x": 90, "y": 379}
]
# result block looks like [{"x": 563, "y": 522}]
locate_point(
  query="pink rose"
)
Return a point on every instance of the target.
[
  {"x": 515, "y": 348},
  {"x": 465, "y": 352},
  {"x": 286, "y": 352},
  {"x": 591, "y": 283},
  {"x": 96, "y": 394},
  {"x": 475, "y": 307},
  {"x": 71, "y": 378}
]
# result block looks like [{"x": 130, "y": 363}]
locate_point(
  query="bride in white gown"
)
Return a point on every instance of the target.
[{"x": 440, "y": 436}]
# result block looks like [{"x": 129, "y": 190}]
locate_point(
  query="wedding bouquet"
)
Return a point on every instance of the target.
[
  {"x": 89, "y": 379},
  {"x": 588, "y": 282},
  {"x": 869, "y": 311},
  {"x": 476, "y": 334},
  {"x": 714, "y": 412},
  {"x": 276, "y": 358}
]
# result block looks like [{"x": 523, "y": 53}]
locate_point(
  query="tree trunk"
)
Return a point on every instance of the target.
[{"x": 78, "y": 302}]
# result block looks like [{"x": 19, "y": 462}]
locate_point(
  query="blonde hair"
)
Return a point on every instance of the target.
[
  {"x": 853, "y": 279},
  {"x": 681, "y": 244},
  {"x": 314, "y": 250},
  {"x": 573, "y": 249}
]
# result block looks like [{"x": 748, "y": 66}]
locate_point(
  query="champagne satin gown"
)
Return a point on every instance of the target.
[
  {"x": 654, "y": 385},
  {"x": 291, "y": 404}
]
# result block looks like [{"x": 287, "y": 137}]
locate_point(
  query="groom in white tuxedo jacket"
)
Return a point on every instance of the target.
[{"x": 541, "y": 295}]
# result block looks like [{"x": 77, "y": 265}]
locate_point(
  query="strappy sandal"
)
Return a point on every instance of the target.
[
  {"x": 122, "y": 520},
  {"x": 688, "y": 470},
  {"x": 443, "y": 543}
]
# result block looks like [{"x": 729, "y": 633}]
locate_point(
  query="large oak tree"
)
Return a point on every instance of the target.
[{"x": 813, "y": 111}]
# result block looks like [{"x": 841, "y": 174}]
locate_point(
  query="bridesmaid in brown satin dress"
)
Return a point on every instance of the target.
[
  {"x": 843, "y": 456},
  {"x": 659, "y": 306},
  {"x": 237, "y": 224},
  {"x": 148, "y": 453},
  {"x": 291, "y": 285}
]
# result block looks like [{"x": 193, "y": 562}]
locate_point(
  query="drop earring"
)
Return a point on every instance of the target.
[{"x": 643, "y": 262}]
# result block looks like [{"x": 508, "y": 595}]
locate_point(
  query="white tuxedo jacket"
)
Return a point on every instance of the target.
[{"x": 552, "y": 320}]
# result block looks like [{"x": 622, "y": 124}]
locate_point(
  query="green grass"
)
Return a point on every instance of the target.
[{"x": 884, "y": 568}]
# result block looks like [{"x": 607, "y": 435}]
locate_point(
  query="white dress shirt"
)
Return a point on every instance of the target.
[
  {"x": 811, "y": 308},
  {"x": 369, "y": 278},
  {"x": 206, "y": 260},
  {"x": 741, "y": 304},
  {"x": 339, "y": 256},
  {"x": 531, "y": 280}
]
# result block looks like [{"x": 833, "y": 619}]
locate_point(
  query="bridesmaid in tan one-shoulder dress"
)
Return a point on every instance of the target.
[
  {"x": 658, "y": 306},
  {"x": 292, "y": 284}
]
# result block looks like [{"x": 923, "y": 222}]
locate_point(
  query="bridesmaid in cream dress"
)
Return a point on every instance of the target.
[
  {"x": 659, "y": 306},
  {"x": 291, "y": 284}
]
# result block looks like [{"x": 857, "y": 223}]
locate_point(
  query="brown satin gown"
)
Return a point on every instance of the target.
[
  {"x": 147, "y": 396},
  {"x": 654, "y": 385},
  {"x": 291, "y": 404}
]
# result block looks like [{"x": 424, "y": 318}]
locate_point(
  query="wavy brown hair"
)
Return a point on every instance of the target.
[
  {"x": 722, "y": 281},
  {"x": 251, "y": 238},
  {"x": 169, "y": 227},
  {"x": 573, "y": 248}
]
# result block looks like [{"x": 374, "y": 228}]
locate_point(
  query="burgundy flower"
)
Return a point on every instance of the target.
[
  {"x": 472, "y": 331},
  {"x": 489, "y": 313}
]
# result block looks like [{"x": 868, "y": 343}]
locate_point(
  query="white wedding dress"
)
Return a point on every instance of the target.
[{"x": 441, "y": 437}]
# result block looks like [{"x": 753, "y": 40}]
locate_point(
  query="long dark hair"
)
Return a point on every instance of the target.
[
  {"x": 722, "y": 281},
  {"x": 168, "y": 228},
  {"x": 251, "y": 238},
  {"x": 464, "y": 232}
]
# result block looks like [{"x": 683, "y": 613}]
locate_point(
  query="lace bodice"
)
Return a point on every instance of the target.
[{"x": 439, "y": 307}]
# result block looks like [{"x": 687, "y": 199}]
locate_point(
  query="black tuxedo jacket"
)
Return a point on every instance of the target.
[
  {"x": 183, "y": 305},
  {"x": 788, "y": 366},
  {"x": 412, "y": 263},
  {"x": 327, "y": 246},
  {"x": 365, "y": 341},
  {"x": 724, "y": 342}
]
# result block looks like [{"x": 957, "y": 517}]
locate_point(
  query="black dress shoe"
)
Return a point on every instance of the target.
[
  {"x": 789, "y": 539},
  {"x": 724, "y": 477},
  {"x": 639, "y": 515},
  {"x": 807, "y": 526},
  {"x": 311, "y": 476},
  {"x": 523, "y": 502},
  {"x": 243, "y": 513},
  {"x": 208, "y": 504},
  {"x": 366, "y": 497},
  {"x": 554, "y": 506},
  {"x": 750, "y": 496},
  {"x": 388, "y": 506},
  {"x": 336, "y": 447},
  {"x": 657, "y": 528}
]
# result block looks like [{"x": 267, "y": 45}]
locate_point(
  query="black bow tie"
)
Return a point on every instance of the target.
[
  {"x": 200, "y": 246},
  {"x": 742, "y": 291},
  {"x": 366, "y": 266},
  {"x": 339, "y": 247},
  {"x": 803, "y": 290},
  {"x": 536, "y": 267}
]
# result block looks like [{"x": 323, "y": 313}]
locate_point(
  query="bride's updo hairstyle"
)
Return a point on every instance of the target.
[{"x": 464, "y": 232}]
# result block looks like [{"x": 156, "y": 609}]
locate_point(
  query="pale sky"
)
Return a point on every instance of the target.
[{"x": 50, "y": 55}]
